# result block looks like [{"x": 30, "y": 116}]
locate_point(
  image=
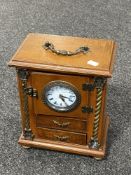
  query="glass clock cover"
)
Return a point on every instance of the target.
[{"x": 60, "y": 96}]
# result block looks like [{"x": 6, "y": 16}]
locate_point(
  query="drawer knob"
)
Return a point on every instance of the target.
[
  {"x": 64, "y": 124},
  {"x": 61, "y": 138}
]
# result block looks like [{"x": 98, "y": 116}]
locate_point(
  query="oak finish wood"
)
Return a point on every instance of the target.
[
  {"x": 40, "y": 80},
  {"x": 32, "y": 55},
  {"x": 43, "y": 67},
  {"x": 68, "y": 147},
  {"x": 62, "y": 123},
  {"x": 63, "y": 136}
]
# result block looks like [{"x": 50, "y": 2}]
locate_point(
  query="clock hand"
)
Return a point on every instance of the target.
[{"x": 62, "y": 98}]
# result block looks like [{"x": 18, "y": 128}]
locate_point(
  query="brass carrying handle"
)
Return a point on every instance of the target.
[
  {"x": 61, "y": 138},
  {"x": 64, "y": 124},
  {"x": 50, "y": 46}
]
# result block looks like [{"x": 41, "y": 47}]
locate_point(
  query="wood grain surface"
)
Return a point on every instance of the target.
[{"x": 98, "y": 61}]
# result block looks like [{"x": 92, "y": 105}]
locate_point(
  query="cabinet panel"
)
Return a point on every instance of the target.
[
  {"x": 62, "y": 136},
  {"x": 62, "y": 123},
  {"x": 39, "y": 82}
]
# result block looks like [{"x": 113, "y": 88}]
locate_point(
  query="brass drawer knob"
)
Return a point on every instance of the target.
[
  {"x": 61, "y": 138},
  {"x": 64, "y": 124}
]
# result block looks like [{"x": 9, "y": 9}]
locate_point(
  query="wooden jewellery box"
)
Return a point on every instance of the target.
[{"x": 62, "y": 82}]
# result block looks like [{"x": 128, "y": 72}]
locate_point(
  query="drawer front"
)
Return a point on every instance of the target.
[
  {"x": 62, "y": 136},
  {"x": 62, "y": 123}
]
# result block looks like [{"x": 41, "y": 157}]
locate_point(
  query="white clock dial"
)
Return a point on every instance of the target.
[{"x": 61, "y": 96}]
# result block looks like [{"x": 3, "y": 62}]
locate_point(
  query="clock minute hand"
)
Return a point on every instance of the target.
[
  {"x": 62, "y": 98},
  {"x": 66, "y": 97}
]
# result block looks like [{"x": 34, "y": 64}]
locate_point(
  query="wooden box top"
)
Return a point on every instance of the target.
[{"x": 97, "y": 61}]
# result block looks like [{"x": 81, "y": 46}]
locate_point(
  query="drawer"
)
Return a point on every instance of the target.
[
  {"x": 62, "y": 136},
  {"x": 62, "y": 123}
]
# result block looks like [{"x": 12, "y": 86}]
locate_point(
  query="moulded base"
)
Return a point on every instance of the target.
[{"x": 68, "y": 147}]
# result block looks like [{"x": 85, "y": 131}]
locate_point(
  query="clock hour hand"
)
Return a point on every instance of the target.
[{"x": 63, "y": 99}]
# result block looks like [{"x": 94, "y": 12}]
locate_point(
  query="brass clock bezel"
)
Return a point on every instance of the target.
[{"x": 63, "y": 84}]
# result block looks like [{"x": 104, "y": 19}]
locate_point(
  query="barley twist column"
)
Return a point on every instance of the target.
[
  {"x": 23, "y": 75},
  {"x": 94, "y": 142}
]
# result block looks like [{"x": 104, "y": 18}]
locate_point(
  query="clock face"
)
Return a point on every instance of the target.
[{"x": 61, "y": 96}]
